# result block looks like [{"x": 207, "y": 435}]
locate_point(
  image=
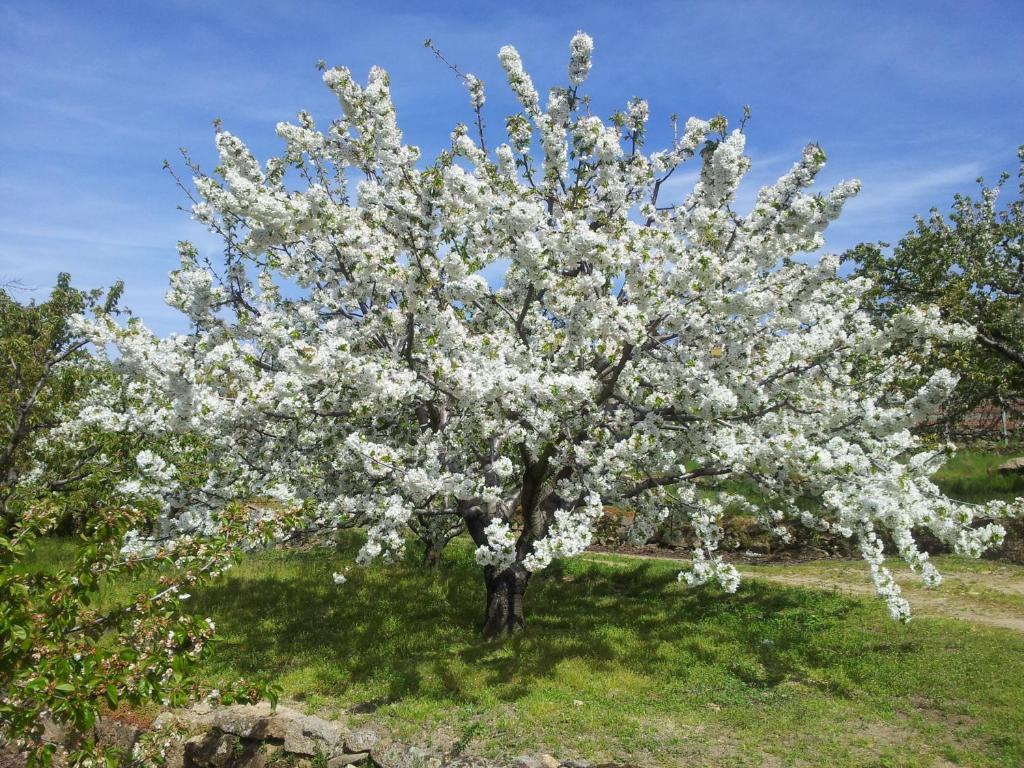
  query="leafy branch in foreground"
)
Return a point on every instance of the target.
[{"x": 66, "y": 653}]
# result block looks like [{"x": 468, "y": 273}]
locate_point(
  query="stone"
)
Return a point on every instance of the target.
[
  {"x": 57, "y": 733},
  {"x": 398, "y": 755},
  {"x": 257, "y": 721},
  {"x": 210, "y": 750},
  {"x": 422, "y": 758},
  {"x": 311, "y": 735},
  {"x": 188, "y": 718},
  {"x": 165, "y": 720},
  {"x": 223, "y": 750},
  {"x": 116, "y": 733},
  {"x": 351, "y": 758},
  {"x": 175, "y": 756},
  {"x": 362, "y": 740},
  {"x": 1012, "y": 467},
  {"x": 256, "y": 736}
]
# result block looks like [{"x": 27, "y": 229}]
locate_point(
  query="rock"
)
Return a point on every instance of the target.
[
  {"x": 398, "y": 755},
  {"x": 188, "y": 718},
  {"x": 424, "y": 759},
  {"x": 116, "y": 733},
  {"x": 57, "y": 733},
  {"x": 165, "y": 720},
  {"x": 210, "y": 750},
  {"x": 352, "y": 758},
  {"x": 175, "y": 756},
  {"x": 1012, "y": 467},
  {"x": 257, "y": 721},
  {"x": 311, "y": 735},
  {"x": 304, "y": 735},
  {"x": 391, "y": 756},
  {"x": 362, "y": 740},
  {"x": 244, "y": 736},
  {"x": 222, "y": 750}
]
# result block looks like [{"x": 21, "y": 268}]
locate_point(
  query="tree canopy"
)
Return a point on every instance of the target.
[
  {"x": 515, "y": 335},
  {"x": 970, "y": 265}
]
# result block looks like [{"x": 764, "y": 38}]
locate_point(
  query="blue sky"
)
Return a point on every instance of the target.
[{"x": 915, "y": 99}]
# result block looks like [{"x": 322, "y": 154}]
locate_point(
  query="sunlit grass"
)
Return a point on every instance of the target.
[
  {"x": 972, "y": 476},
  {"x": 621, "y": 662}
]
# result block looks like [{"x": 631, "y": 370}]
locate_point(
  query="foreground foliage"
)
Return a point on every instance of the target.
[
  {"x": 969, "y": 264},
  {"x": 64, "y": 654},
  {"x": 350, "y": 360}
]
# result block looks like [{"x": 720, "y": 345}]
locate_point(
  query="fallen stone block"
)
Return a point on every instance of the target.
[
  {"x": 348, "y": 758},
  {"x": 116, "y": 733}
]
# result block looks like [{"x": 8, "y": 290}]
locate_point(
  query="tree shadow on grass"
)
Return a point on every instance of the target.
[{"x": 396, "y": 632}]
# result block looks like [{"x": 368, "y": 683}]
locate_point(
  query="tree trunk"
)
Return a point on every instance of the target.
[
  {"x": 505, "y": 591},
  {"x": 431, "y": 555}
]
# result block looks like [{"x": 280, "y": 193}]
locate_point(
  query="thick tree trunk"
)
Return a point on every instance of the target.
[
  {"x": 431, "y": 555},
  {"x": 505, "y": 591}
]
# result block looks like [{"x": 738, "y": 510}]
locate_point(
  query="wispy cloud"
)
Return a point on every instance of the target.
[{"x": 893, "y": 188}]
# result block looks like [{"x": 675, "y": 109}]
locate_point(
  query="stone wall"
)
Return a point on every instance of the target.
[{"x": 244, "y": 736}]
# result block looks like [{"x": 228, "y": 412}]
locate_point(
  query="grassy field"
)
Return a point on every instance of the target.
[
  {"x": 972, "y": 476},
  {"x": 621, "y": 662}
]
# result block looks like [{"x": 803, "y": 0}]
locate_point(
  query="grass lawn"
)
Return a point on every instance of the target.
[
  {"x": 972, "y": 476},
  {"x": 621, "y": 662}
]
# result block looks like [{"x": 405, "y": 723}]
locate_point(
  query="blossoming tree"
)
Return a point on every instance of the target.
[
  {"x": 350, "y": 360},
  {"x": 970, "y": 264}
]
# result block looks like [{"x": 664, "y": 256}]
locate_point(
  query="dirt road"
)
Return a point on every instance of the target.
[{"x": 981, "y": 592}]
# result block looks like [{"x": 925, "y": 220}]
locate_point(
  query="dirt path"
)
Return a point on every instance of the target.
[
  {"x": 946, "y": 601},
  {"x": 992, "y": 594}
]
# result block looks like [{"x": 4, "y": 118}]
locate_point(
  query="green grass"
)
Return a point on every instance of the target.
[
  {"x": 984, "y": 589},
  {"x": 971, "y": 476},
  {"x": 620, "y": 661}
]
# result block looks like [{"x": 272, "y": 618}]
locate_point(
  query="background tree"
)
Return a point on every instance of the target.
[
  {"x": 64, "y": 653},
  {"x": 970, "y": 265},
  {"x": 350, "y": 359}
]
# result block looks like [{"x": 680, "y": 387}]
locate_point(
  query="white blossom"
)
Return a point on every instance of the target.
[
  {"x": 582, "y": 48},
  {"x": 475, "y": 86}
]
